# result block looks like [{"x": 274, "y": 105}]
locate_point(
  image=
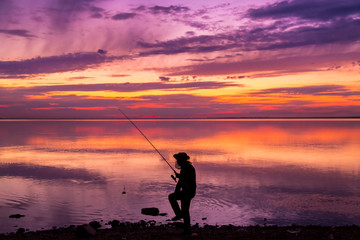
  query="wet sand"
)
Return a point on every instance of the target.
[{"x": 149, "y": 230}]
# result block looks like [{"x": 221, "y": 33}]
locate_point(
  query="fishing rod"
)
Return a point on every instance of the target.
[{"x": 172, "y": 176}]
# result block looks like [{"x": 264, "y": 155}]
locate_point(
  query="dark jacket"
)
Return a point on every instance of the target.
[{"x": 187, "y": 180}]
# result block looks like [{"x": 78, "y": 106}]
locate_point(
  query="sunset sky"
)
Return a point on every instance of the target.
[{"x": 249, "y": 58}]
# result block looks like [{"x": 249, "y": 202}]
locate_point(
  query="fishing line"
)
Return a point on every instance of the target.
[{"x": 150, "y": 144}]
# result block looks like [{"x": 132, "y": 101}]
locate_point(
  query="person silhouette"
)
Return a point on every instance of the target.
[{"x": 185, "y": 189}]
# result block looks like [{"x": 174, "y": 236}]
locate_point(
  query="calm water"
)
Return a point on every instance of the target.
[{"x": 71, "y": 172}]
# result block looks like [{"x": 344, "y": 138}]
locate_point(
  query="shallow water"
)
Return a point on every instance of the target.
[{"x": 60, "y": 172}]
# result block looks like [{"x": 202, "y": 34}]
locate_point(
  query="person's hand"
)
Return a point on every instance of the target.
[{"x": 177, "y": 175}]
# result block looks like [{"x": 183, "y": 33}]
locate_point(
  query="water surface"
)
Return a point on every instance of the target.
[{"x": 62, "y": 172}]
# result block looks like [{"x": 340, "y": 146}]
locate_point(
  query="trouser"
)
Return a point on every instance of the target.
[{"x": 185, "y": 206}]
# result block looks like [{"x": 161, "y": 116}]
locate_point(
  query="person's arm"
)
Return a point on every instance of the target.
[{"x": 178, "y": 185}]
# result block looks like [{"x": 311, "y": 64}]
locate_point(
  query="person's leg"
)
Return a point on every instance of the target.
[
  {"x": 173, "y": 197},
  {"x": 185, "y": 209}
]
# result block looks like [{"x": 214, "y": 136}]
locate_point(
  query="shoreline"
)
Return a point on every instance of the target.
[{"x": 150, "y": 230}]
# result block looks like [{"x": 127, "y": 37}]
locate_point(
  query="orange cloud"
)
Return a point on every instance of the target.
[{"x": 148, "y": 105}]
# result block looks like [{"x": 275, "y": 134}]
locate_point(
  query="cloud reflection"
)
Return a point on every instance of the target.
[{"x": 50, "y": 173}]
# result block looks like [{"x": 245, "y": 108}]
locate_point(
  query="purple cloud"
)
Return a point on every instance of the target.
[
  {"x": 96, "y": 12},
  {"x": 272, "y": 66},
  {"x": 280, "y": 36},
  {"x": 13, "y": 76},
  {"x": 100, "y": 51},
  {"x": 172, "y": 9},
  {"x": 182, "y": 14},
  {"x": 96, "y": 9},
  {"x": 338, "y": 31},
  {"x": 317, "y": 90},
  {"x": 307, "y": 9},
  {"x": 123, "y": 16},
  {"x": 119, "y": 75},
  {"x": 96, "y": 15},
  {"x": 197, "y": 44},
  {"x": 17, "y": 32},
  {"x": 164, "y": 79},
  {"x": 79, "y": 77},
  {"x": 7, "y": 12},
  {"x": 235, "y": 77},
  {"x": 64, "y": 13},
  {"x": 120, "y": 87},
  {"x": 63, "y": 63}
]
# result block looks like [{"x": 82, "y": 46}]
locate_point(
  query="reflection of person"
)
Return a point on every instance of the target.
[{"x": 185, "y": 189}]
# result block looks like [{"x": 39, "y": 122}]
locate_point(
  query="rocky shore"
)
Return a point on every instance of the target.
[{"x": 172, "y": 231}]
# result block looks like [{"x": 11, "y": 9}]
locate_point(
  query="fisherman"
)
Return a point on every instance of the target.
[{"x": 185, "y": 189}]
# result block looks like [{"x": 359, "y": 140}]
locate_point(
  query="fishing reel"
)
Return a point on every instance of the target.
[{"x": 173, "y": 177}]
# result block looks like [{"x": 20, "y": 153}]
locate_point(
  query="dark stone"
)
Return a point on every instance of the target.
[
  {"x": 152, "y": 223},
  {"x": 114, "y": 223},
  {"x": 142, "y": 223},
  {"x": 16, "y": 216},
  {"x": 20, "y": 231},
  {"x": 85, "y": 231},
  {"x": 95, "y": 224},
  {"x": 150, "y": 211}
]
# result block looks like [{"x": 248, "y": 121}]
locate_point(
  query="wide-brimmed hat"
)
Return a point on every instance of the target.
[{"x": 181, "y": 156}]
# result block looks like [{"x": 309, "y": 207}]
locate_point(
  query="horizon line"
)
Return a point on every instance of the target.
[{"x": 175, "y": 118}]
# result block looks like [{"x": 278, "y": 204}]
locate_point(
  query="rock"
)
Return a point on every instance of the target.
[
  {"x": 85, "y": 231},
  {"x": 114, "y": 223},
  {"x": 150, "y": 211},
  {"x": 95, "y": 224},
  {"x": 90, "y": 229},
  {"x": 152, "y": 223},
  {"x": 20, "y": 231},
  {"x": 16, "y": 216},
  {"x": 296, "y": 231},
  {"x": 142, "y": 223}
]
